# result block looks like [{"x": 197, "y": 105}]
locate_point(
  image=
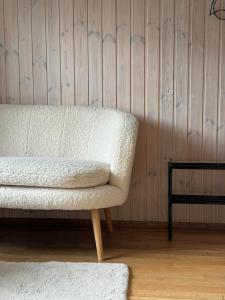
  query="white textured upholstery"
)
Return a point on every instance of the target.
[
  {"x": 80, "y": 133},
  {"x": 52, "y": 172},
  {"x": 65, "y": 199}
]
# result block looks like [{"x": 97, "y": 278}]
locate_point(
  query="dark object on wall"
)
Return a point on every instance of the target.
[{"x": 218, "y": 9}]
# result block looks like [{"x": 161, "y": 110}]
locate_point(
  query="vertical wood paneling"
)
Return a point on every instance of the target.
[
  {"x": 221, "y": 116},
  {"x": 210, "y": 107},
  {"x": 2, "y": 56},
  {"x": 12, "y": 51},
  {"x": 67, "y": 51},
  {"x": 152, "y": 62},
  {"x": 195, "y": 109},
  {"x": 109, "y": 52},
  {"x": 81, "y": 51},
  {"x": 138, "y": 105},
  {"x": 53, "y": 54},
  {"x": 123, "y": 54},
  {"x": 95, "y": 51},
  {"x": 39, "y": 52},
  {"x": 180, "y": 97},
  {"x": 123, "y": 78},
  {"x": 166, "y": 98},
  {"x": 25, "y": 51},
  {"x": 162, "y": 60}
]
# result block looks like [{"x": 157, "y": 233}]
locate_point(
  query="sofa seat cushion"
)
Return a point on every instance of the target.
[{"x": 52, "y": 172}]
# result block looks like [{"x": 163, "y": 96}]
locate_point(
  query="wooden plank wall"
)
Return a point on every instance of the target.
[{"x": 162, "y": 60}]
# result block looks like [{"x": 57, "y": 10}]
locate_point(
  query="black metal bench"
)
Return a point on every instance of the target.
[{"x": 190, "y": 199}]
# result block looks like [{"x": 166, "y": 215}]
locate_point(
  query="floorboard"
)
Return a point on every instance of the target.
[{"x": 191, "y": 267}]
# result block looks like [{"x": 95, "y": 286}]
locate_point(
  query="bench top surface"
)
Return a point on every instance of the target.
[{"x": 197, "y": 165}]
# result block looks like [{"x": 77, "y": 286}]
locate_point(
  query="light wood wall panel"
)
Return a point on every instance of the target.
[
  {"x": 12, "y": 72},
  {"x": 123, "y": 13},
  {"x": 210, "y": 107},
  {"x": 195, "y": 99},
  {"x": 67, "y": 52},
  {"x": 162, "y": 60},
  {"x": 166, "y": 97},
  {"x": 2, "y": 56},
  {"x": 39, "y": 47},
  {"x": 181, "y": 52},
  {"x": 152, "y": 81},
  {"x": 95, "y": 51},
  {"x": 221, "y": 115},
  {"x": 25, "y": 51},
  {"x": 81, "y": 51},
  {"x": 109, "y": 52},
  {"x": 53, "y": 54},
  {"x": 138, "y": 105}
]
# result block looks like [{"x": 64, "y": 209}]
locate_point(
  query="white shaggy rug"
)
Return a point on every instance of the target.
[{"x": 63, "y": 281}]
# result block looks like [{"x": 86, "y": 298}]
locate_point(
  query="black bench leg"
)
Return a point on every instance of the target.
[
  {"x": 170, "y": 203},
  {"x": 170, "y": 222}
]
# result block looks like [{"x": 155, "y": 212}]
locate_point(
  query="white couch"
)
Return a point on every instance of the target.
[{"x": 66, "y": 158}]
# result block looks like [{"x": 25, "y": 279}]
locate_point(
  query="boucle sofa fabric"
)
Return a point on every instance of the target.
[
  {"x": 60, "y": 199},
  {"x": 52, "y": 172},
  {"x": 81, "y": 133}
]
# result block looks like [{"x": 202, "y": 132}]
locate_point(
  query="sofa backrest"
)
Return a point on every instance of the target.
[{"x": 91, "y": 133}]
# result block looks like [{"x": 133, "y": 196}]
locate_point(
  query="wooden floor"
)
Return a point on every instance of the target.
[{"x": 191, "y": 267}]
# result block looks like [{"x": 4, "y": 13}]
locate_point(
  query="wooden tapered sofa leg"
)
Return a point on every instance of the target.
[
  {"x": 108, "y": 219},
  {"x": 97, "y": 233}
]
